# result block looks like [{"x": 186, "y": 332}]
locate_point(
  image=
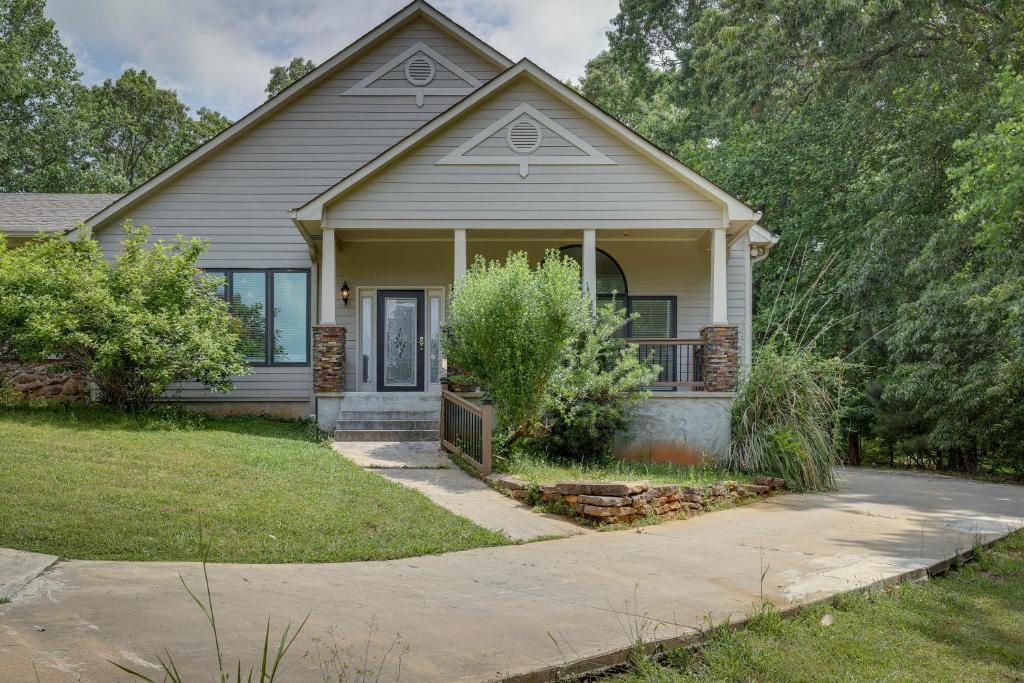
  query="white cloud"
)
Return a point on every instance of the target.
[{"x": 219, "y": 52}]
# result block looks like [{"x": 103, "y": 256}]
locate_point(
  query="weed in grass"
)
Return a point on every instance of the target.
[{"x": 4, "y": 599}]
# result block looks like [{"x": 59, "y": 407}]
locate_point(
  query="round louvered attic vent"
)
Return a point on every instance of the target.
[
  {"x": 524, "y": 136},
  {"x": 419, "y": 70}
]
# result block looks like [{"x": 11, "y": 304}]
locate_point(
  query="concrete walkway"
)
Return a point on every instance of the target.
[
  {"x": 424, "y": 467},
  {"x": 490, "y": 613}
]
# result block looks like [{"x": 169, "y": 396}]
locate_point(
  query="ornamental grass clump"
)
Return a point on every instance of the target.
[{"x": 785, "y": 417}]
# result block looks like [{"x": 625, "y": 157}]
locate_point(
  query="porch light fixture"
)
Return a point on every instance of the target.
[{"x": 344, "y": 293}]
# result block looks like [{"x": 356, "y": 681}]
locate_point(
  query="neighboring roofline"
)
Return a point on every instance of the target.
[
  {"x": 407, "y": 13},
  {"x": 736, "y": 212}
]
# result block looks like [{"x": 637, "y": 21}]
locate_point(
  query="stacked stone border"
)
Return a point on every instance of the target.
[
  {"x": 44, "y": 380},
  {"x": 625, "y": 502}
]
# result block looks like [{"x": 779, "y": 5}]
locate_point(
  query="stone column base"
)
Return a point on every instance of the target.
[
  {"x": 328, "y": 359},
  {"x": 721, "y": 356}
]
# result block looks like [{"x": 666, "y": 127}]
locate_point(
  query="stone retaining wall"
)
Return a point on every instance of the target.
[
  {"x": 623, "y": 502},
  {"x": 45, "y": 380}
]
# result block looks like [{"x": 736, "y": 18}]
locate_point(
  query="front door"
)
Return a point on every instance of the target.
[{"x": 400, "y": 341}]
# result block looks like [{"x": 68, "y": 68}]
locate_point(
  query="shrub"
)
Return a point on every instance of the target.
[
  {"x": 133, "y": 326},
  {"x": 510, "y": 327},
  {"x": 593, "y": 393},
  {"x": 785, "y": 417}
]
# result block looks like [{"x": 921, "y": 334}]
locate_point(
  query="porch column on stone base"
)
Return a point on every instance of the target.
[
  {"x": 459, "y": 255},
  {"x": 719, "y": 281},
  {"x": 721, "y": 363},
  {"x": 328, "y": 336},
  {"x": 590, "y": 266}
]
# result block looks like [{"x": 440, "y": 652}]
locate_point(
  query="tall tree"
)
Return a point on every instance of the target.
[
  {"x": 39, "y": 133},
  {"x": 840, "y": 120},
  {"x": 283, "y": 76},
  {"x": 137, "y": 128}
]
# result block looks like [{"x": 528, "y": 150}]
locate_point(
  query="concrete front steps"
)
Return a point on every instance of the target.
[
  {"x": 387, "y": 425},
  {"x": 388, "y": 417}
]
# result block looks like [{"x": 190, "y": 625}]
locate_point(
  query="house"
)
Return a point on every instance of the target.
[
  {"x": 347, "y": 205},
  {"x": 23, "y": 215}
]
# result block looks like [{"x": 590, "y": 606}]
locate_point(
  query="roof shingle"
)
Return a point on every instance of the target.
[{"x": 32, "y": 212}]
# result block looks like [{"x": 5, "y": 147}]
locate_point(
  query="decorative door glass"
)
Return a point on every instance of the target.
[{"x": 400, "y": 342}]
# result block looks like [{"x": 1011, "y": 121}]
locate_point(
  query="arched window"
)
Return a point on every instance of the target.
[{"x": 610, "y": 278}]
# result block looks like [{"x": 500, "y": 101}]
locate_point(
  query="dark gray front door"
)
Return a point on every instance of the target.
[{"x": 400, "y": 340}]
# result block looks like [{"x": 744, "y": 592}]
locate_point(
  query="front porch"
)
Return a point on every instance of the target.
[{"x": 382, "y": 303}]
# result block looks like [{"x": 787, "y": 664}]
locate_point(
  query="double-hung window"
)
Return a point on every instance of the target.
[{"x": 272, "y": 307}]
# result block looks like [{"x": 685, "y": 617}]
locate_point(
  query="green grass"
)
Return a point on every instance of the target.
[
  {"x": 89, "y": 483},
  {"x": 966, "y": 626},
  {"x": 537, "y": 470}
]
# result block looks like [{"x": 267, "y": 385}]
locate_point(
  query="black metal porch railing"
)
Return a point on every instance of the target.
[{"x": 680, "y": 360}]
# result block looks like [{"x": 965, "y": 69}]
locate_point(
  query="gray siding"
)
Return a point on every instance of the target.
[
  {"x": 416, "y": 192},
  {"x": 239, "y": 197}
]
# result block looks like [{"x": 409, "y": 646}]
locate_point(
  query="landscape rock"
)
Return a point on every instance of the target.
[
  {"x": 602, "y": 488},
  {"x": 624, "y": 502},
  {"x": 605, "y": 501},
  {"x": 508, "y": 481}
]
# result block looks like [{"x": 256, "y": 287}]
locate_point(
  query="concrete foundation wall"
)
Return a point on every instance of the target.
[
  {"x": 683, "y": 428},
  {"x": 296, "y": 409}
]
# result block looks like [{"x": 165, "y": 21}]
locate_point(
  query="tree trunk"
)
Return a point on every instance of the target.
[
  {"x": 892, "y": 456},
  {"x": 853, "y": 448}
]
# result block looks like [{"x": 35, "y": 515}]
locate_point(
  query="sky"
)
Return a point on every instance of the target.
[{"x": 218, "y": 53}]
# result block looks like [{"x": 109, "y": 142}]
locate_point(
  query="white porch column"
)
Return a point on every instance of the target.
[
  {"x": 719, "y": 258},
  {"x": 590, "y": 265},
  {"x": 328, "y": 279},
  {"x": 460, "y": 254}
]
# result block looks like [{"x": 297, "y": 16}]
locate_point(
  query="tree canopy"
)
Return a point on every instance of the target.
[
  {"x": 883, "y": 143},
  {"x": 283, "y": 76},
  {"x": 58, "y": 135}
]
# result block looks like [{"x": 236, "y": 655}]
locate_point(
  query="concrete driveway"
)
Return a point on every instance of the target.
[{"x": 493, "y": 613}]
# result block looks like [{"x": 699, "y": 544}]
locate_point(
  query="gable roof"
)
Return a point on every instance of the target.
[
  {"x": 416, "y": 8},
  {"x": 736, "y": 211},
  {"x": 32, "y": 212}
]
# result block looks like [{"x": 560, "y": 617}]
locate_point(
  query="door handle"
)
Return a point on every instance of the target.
[{"x": 422, "y": 345}]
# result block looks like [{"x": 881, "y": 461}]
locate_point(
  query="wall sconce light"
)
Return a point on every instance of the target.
[{"x": 344, "y": 293}]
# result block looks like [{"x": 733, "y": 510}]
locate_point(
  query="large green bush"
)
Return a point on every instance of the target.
[
  {"x": 510, "y": 326},
  {"x": 593, "y": 394},
  {"x": 133, "y": 325},
  {"x": 785, "y": 417}
]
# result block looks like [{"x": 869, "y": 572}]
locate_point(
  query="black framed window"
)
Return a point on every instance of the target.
[{"x": 273, "y": 306}]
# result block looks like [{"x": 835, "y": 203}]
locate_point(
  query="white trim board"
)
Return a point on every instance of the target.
[
  {"x": 419, "y": 91},
  {"x": 593, "y": 157}
]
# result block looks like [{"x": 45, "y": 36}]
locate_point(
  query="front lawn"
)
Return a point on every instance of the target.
[
  {"x": 537, "y": 470},
  {"x": 89, "y": 483},
  {"x": 966, "y": 626}
]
